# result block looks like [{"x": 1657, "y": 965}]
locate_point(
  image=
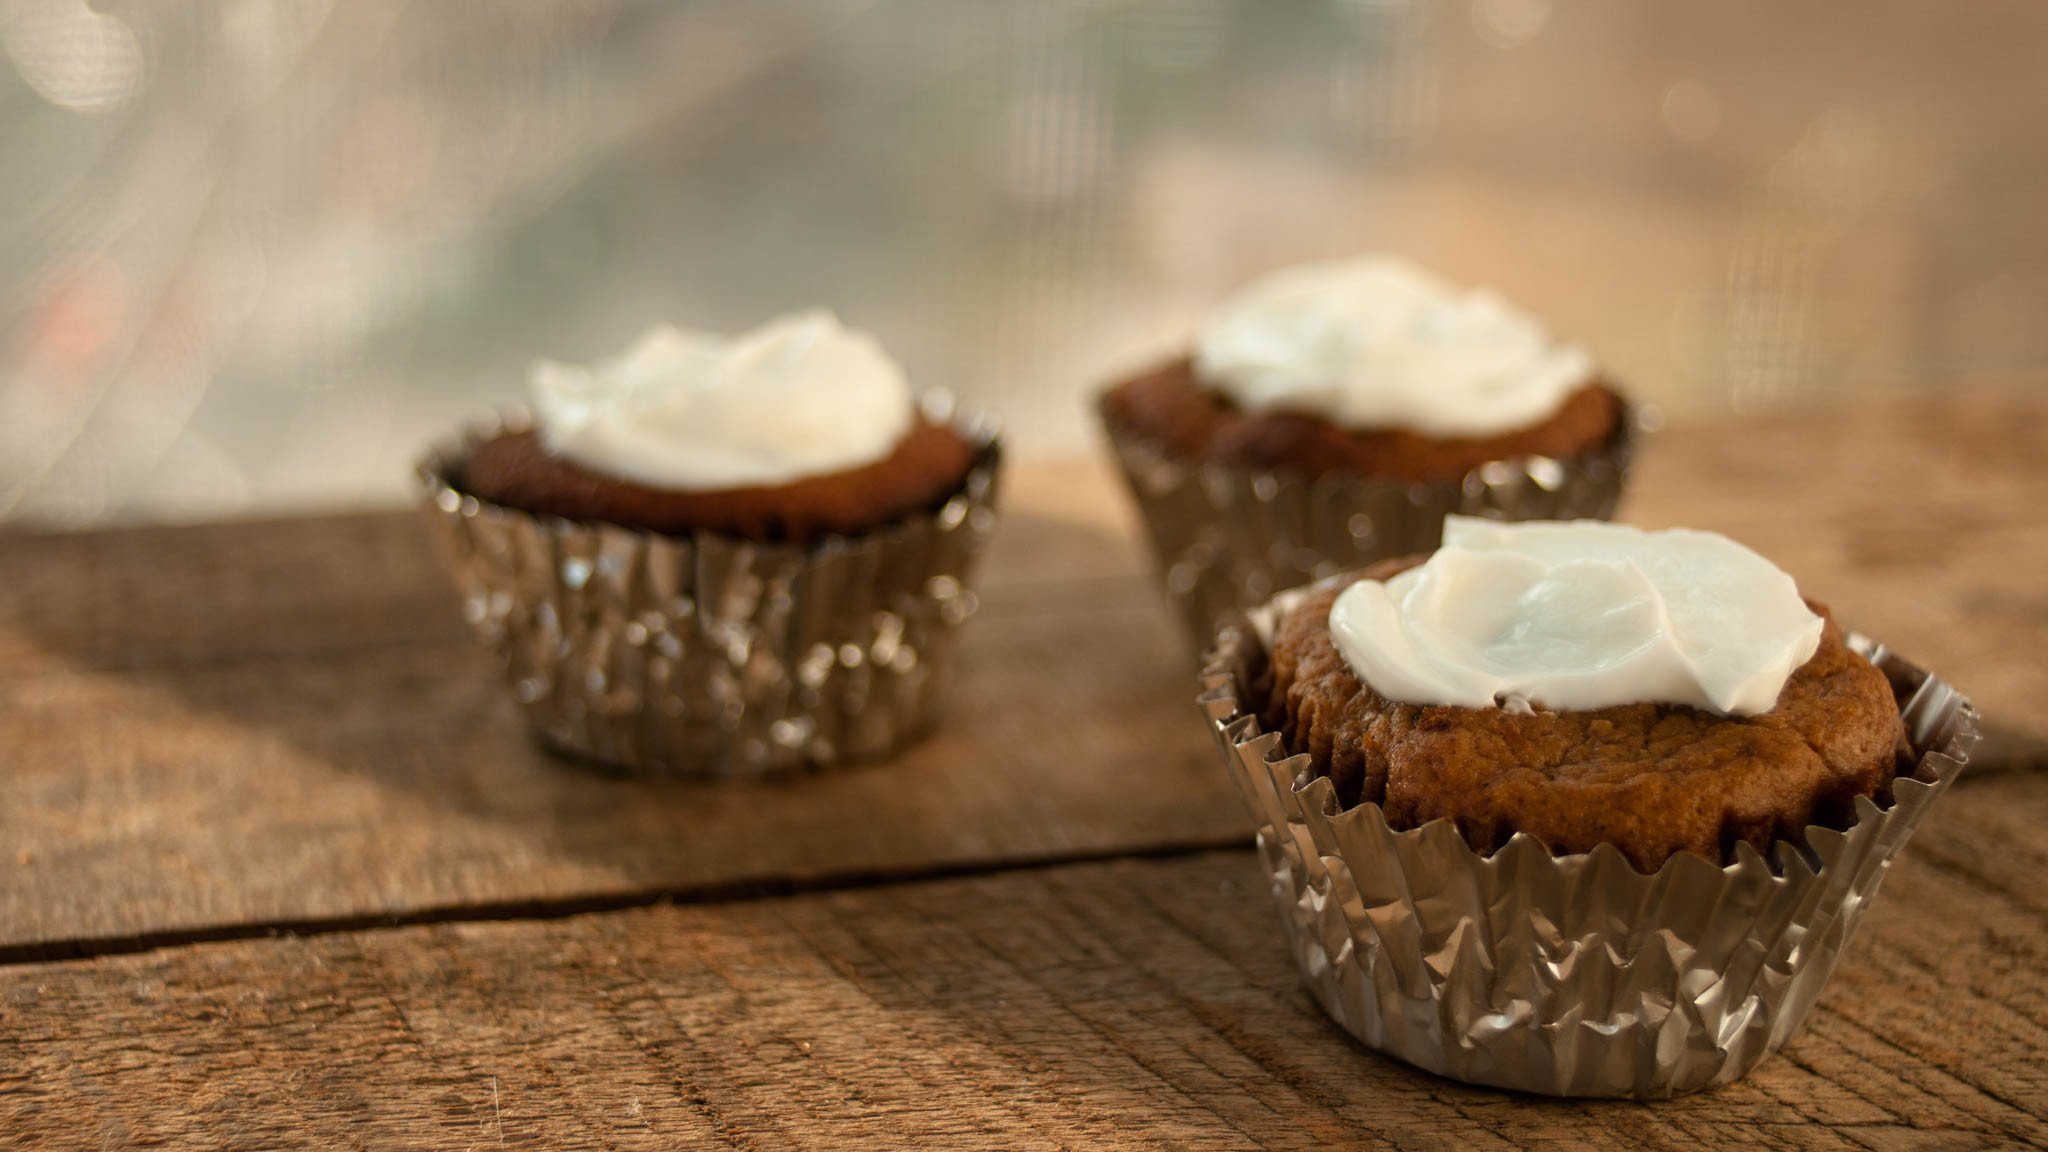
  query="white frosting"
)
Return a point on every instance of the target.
[
  {"x": 1579, "y": 615},
  {"x": 1379, "y": 343},
  {"x": 800, "y": 396}
]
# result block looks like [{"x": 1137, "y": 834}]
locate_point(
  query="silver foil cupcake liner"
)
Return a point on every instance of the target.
[
  {"x": 1566, "y": 975},
  {"x": 707, "y": 655},
  {"x": 1225, "y": 539}
]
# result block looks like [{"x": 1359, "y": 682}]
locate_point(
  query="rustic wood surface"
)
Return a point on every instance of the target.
[
  {"x": 212, "y": 736},
  {"x": 168, "y": 774},
  {"x": 1127, "y": 1004},
  {"x": 203, "y": 722}
]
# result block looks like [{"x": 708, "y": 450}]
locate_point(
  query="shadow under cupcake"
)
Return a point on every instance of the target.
[{"x": 712, "y": 557}]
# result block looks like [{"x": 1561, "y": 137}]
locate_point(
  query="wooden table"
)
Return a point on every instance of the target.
[{"x": 282, "y": 869}]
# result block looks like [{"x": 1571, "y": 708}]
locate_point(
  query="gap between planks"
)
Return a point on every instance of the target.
[{"x": 56, "y": 951}]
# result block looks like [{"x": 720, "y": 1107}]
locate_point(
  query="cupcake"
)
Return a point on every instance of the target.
[
  {"x": 1574, "y": 808},
  {"x": 1332, "y": 415},
  {"x": 713, "y": 556}
]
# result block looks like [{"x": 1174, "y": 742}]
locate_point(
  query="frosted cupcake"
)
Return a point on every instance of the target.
[
  {"x": 713, "y": 555},
  {"x": 1571, "y": 807},
  {"x": 1332, "y": 414}
]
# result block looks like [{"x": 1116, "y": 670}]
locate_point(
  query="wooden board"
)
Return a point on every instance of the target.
[
  {"x": 283, "y": 722},
  {"x": 323, "y": 893},
  {"x": 1131, "y": 1004},
  {"x": 387, "y": 778}
]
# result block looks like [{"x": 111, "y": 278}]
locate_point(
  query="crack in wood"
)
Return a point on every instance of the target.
[{"x": 93, "y": 947}]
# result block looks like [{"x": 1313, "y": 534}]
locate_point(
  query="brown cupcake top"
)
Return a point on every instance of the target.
[
  {"x": 1651, "y": 779},
  {"x": 926, "y": 468},
  {"x": 1170, "y": 407}
]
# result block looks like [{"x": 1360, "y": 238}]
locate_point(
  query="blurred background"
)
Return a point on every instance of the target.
[{"x": 254, "y": 253}]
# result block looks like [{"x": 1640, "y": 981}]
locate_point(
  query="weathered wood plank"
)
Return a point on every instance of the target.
[
  {"x": 1121, "y": 1005},
  {"x": 283, "y": 721},
  {"x": 399, "y": 778}
]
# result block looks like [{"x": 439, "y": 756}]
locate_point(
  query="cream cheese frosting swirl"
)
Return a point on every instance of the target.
[
  {"x": 800, "y": 396},
  {"x": 1376, "y": 343},
  {"x": 1579, "y": 615}
]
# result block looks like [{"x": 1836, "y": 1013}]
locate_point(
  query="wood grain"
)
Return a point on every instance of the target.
[
  {"x": 283, "y": 722},
  {"x": 214, "y": 734},
  {"x": 1121, "y": 1005},
  {"x": 395, "y": 777}
]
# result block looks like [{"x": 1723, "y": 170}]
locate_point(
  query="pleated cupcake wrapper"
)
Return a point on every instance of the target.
[
  {"x": 1566, "y": 975},
  {"x": 706, "y": 655},
  {"x": 1225, "y": 539}
]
